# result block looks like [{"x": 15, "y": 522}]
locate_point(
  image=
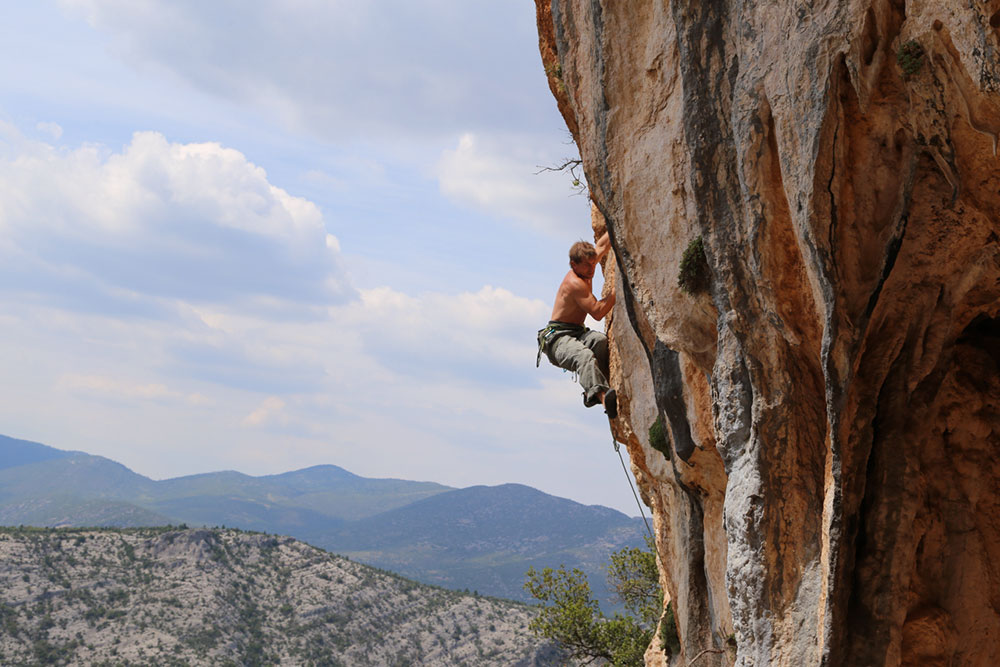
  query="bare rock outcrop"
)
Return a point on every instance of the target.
[{"x": 826, "y": 490}]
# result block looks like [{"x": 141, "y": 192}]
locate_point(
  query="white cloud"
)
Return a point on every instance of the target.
[
  {"x": 195, "y": 236},
  {"x": 53, "y": 130},
  {"x": 502, "y": 177},
  {"x": 344, "y": 68},
  {"x": 270, "y": 409},
  {"x": 196, "y": 222},
  {"x": 483, "y": 338},
  {"x": 487, "y": 334},
  {"x": 105, "y": 387}
]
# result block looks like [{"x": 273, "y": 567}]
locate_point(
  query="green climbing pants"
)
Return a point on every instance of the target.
[{"x": 581, "y": 350}]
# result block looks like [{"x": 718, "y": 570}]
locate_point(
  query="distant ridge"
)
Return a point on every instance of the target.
[
  {"x": 74, "y": 474},
  {"x": 315, "y": 475},
  {"x": 21, "y": 452},
  {"x": 481, "y": 538},
  {"x": 512, "y": 513},
  {"x": 326, "y": 490},
  {"x": 465, "y": 537}
]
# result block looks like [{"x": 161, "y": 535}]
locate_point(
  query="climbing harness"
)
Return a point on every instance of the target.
[
  {"x": 552, "y": 331},
  {"x": 614, "y": 441}
]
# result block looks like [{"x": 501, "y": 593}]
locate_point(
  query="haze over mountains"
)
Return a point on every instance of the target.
[{"x": 478, "y": 538}]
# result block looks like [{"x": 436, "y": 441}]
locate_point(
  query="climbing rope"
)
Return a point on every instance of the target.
[{"x": 614, "y": 441}]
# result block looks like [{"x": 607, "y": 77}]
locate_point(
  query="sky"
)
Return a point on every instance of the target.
[{"x": 258, "y": 236}]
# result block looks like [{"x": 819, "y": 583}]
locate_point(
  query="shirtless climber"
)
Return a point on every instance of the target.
[{"x": 570, "y": 345}]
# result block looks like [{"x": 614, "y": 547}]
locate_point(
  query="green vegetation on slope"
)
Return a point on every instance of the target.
[{"x": 171, "y": 596}]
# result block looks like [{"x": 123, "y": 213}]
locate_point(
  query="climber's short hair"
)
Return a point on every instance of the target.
[{"x": 580, "y": 251}]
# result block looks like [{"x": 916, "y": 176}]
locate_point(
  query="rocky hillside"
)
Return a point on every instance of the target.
[
  {"x": 177, "y": 597},
  {"x": 803, "y": 201}
]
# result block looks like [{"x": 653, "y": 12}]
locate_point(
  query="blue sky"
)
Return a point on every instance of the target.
[{"x": 261, "y": 236}]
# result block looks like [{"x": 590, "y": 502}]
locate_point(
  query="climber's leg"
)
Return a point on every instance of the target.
[
  {"x": 598, "y": 344},
  {"x": 569, "y": 353}
]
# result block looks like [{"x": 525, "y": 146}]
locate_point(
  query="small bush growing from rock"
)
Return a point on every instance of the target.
[
  {"x": 693, "y": 276},
  {"x": 555, "y": 71},
  {"x": 658, "y": 437},
  {"x": 910, "y": 57},
  {"x": 669, "y": 640}
]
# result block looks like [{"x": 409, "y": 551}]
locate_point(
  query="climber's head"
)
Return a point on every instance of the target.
[{"x": 583, "y": 259}]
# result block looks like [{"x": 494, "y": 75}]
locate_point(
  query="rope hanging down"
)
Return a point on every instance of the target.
[{"x": 614, "y": 441}]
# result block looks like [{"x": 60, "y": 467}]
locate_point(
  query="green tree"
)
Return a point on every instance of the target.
[{"x": 569, "y": 615}]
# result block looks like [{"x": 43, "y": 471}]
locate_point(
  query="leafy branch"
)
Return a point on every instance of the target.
[
  {"x": 569, "y": 614},
  {"x": 575, "y": 168}
]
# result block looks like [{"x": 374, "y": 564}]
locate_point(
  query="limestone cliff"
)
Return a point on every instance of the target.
[{"x": 828, "y": 491}]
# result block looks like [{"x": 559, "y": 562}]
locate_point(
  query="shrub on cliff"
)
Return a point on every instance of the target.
[
  {"x": 658, "y": 437},
  {"x": 693, "y": 276},
  {"x": 910, "y": 57},
  {"x": 569, "y": 614}
]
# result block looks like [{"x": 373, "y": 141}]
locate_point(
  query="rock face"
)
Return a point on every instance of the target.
[{"x": 828, "y": 490}]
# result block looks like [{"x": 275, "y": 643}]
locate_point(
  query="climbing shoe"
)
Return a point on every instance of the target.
[{"x": 611, "y": 404}]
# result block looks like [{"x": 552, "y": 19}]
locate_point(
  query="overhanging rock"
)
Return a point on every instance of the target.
[{"x": 832, "y": 402}]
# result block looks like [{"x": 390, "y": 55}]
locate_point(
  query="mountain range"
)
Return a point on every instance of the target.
[{"x": 480, "y": 538}]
